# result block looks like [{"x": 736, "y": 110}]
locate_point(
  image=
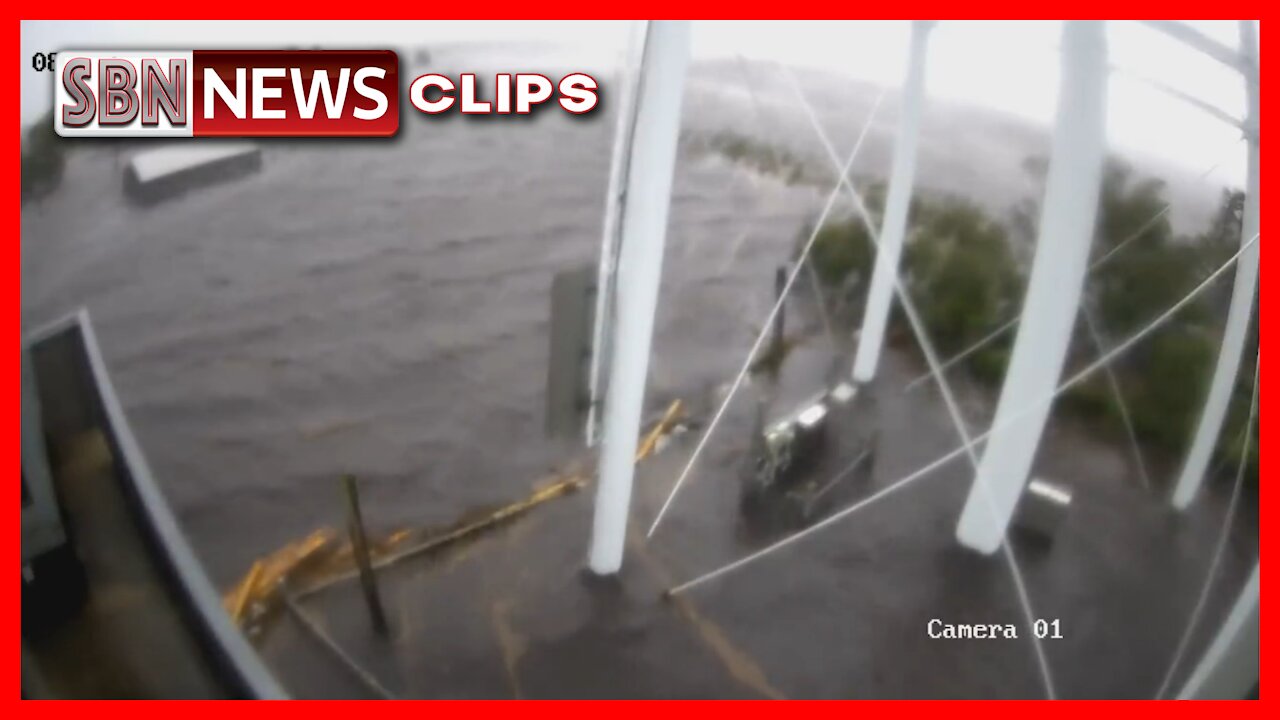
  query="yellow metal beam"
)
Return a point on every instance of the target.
[
  {"x": 237, "y": 600},
  {"x": 321, "y": 559},
  {"x": 662, "y": 428}
]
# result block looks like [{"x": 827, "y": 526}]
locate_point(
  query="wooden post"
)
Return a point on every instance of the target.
[{"x": 360, "y": 549}]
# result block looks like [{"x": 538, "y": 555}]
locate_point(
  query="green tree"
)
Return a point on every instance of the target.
[
  {"x": 1167, "y": 390},
  {"x": 1150, "y": 272},
  {"x": 1216, "y": 246},
  {"x": 841, "y": 249},
  {"x": 960, "y": 273}
]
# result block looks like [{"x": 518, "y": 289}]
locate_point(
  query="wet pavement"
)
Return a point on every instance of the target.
[{"x": 841, "y": 614}]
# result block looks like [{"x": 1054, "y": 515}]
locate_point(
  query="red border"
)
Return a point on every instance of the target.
[{"x": 510, "y": 10}]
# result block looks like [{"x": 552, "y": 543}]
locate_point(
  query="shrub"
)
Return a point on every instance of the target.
[
  {"x": 841, "y": 249},
  {"x": 960, "y": 274},
  {"x": 960, "y": 271},
  {"x": 988, "y": 365},
  {"x": 1168, "y": 392},
  {"x": 1092, "y": 400}
]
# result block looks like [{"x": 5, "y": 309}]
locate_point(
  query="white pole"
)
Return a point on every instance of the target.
[
  {"x": 1053, "y": 293},
  {"x": 1246, "y": 285},
  {"x": 626, "y": 88},
  {"x": 643, "y": 225},
  {"x": 894, "y": 225},
  {"x": 1229, "y": 668}
]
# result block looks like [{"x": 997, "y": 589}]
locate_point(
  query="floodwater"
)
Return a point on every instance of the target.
[{"x": 381, "y": 308}]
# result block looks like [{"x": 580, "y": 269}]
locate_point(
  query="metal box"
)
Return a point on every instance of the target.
[{"x": 1042, "y": 508}]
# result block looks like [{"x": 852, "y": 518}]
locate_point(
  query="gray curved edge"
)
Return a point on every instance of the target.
[{"x": 221, "y": 640}]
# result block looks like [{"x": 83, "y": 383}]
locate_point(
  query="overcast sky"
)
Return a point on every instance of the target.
[{"x": 1011, "y": 66}]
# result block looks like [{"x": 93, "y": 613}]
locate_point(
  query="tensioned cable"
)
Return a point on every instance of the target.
[
  {"x": 938, "y": 462},
  {"x": 364, "y": 676},
  {"x": 1093, "y": 266},
  {"x": 968, "y": 444},
  {"x": 981, "y": 343},
  {"x": 1200, "y": 104},
  {"x": 820, "y": 298},
  {"x": 934, "y": 365},
  {"x": 737, "y": 174},
  {"x": 953, "y": 408},
  {"x": 735, "y": 178},
  {"x": 1116, "y": 391},
  {"x": 1218, "y": 552},
  {"x": 758, "y": 115},
  {"x": 764, "y": 329},
  {"x": 736, "y": 246},
  {"x": 1223, "y": 461}
]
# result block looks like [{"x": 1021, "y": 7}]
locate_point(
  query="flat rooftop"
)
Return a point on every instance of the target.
[{"x": 173, "y": 159}]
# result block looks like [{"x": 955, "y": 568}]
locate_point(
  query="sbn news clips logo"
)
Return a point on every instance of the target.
[{"x": 278, "y": 93}]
